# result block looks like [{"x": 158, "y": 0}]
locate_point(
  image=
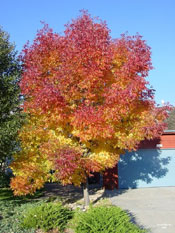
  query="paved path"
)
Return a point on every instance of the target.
[{"x": 153, "y": 208}]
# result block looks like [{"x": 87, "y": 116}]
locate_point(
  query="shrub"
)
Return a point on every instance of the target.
[
  {"x": 5, "y": 179},
  {"x": 104, "y": 219},
  {"x": 46, "y": 216}
]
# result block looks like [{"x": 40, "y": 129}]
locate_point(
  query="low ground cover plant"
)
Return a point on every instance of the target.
[
  {"x": 12, "y": 208},
  {"x": 27, "y": 214},
  {"x": 46, "y": 216},
  {"x": 11, "y": 212},
  {"x": 104, "y": 219}
]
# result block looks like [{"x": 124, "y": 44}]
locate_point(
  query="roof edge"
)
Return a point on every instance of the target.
[{"x": 168, "y": 132}]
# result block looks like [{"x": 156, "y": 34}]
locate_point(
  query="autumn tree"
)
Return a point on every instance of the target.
[
  {"x": 87, "y": 101},
  {"x": 10, "y": 114}
]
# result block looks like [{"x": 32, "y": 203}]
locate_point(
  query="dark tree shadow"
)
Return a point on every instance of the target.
[
  {"x": 141, "y": 166},
  {"x": 110, "y": 194},
  {"x": 69, "y": 193},
  {"x": 134, "y": 221}
]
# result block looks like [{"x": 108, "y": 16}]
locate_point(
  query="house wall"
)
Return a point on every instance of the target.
[{"x": 167, "y": 141}]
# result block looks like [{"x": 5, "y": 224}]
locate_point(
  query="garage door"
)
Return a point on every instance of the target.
[{"x": 147, "y": 168}]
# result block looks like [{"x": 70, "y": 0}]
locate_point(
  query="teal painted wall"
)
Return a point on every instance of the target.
[{"x": 147, "y": 168}]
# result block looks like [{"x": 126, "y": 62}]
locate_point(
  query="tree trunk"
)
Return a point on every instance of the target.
[{"x": 86, "y": 193}]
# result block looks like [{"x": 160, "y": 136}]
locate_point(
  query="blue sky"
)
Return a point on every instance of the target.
[{"x": 153, "y": 19}]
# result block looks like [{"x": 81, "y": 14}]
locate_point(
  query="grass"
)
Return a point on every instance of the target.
[
  {"x": 12, "y": 208},
  {"x": 7, "y": 194}
]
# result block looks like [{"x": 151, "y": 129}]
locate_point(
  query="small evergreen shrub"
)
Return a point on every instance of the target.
[
  {"x": 106, "y": 219},
  {"x": 46, "y": 216},
  {"x": 5, "y": 180}
]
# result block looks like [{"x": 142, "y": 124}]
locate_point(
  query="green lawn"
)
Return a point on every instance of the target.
[{"x": 7, "y": 194}]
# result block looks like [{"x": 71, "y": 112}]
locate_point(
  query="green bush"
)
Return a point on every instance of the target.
[
  {"x": 106, "y": 219},
  {"x": 5, "y": 180},
  {"x": 46, "y": 216}
]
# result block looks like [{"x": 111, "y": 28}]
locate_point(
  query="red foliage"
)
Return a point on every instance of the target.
[
  {"x": 70, "y": 167},
  {"x": 87, "y": 92}
]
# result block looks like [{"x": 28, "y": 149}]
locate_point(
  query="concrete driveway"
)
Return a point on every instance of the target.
[{"x": 152, "y": 208}]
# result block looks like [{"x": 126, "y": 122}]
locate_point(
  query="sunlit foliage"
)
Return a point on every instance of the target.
[{"x": 87, "y": 101}]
